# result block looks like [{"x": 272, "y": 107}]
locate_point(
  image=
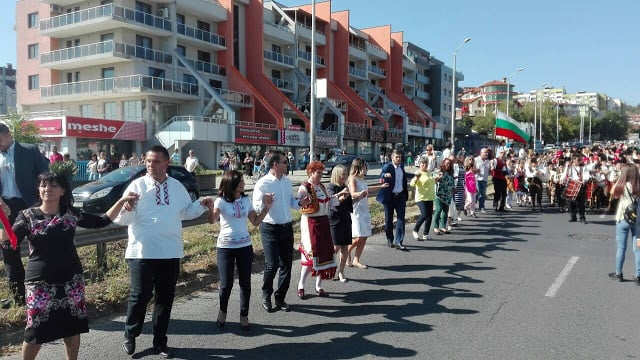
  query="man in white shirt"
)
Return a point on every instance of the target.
[
  {"x": 154, "y": 248},
  {"x": 482, "y": 165},
  {"x": 276, "y": 229},
  {"x": 191, "y": 163}
]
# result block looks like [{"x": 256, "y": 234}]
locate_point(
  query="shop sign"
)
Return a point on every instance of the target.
[
  {"x": 104, "y": 129},
  {"x": 353, "y": 131},
  {"x": 251, "y": 135},
  {"x": 292, "y": 138},
  {"x": 377, "y": 135},
  {"x": 325, "y": 141},
  {"x": 415, "y": 130},
  {"x": 394, "y": 137},
  {"x": 428, "y": 132},
  {"x": 49, "y": 127}
]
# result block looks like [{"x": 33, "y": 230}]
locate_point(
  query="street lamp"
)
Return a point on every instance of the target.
[
  {"x": 453, "y": 95},
  {"x": 544, "y": 86},
  {"x": 508, "y": 87}
]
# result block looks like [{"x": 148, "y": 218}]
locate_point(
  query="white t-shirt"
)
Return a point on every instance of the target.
[
  {"x": 191, "y": 164},
  {"x": 234, "y": 232}
]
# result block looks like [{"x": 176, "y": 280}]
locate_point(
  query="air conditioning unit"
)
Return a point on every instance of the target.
[{"x": 163, "y": 12}]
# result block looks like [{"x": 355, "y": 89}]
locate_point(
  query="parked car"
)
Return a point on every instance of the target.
[
  {"x": 345, "y": 160},
  {"x": 98, "y": 196}
]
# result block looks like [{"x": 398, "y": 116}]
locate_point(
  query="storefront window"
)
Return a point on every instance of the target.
[
  {"x": 113, "y": 148},
  {"x": 365, "y": 150},
  {"x": 132, "y": 110},
  {"x": 350, "y": 146}
]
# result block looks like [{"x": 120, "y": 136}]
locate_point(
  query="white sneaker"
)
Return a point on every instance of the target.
[
  {"x": 483, "y": 211},
  {"x": 426, "y": 237},
  {"x": 459, "y": 219},
  {"x": 449, "y": 228},
  {"x": 415, "y": 235},
  {"x": 508, "y": 206}
]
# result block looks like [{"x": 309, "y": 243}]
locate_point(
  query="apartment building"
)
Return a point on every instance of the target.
[
  {"x": 217, "y": 75},
  {"x": 7, "y": 89}
]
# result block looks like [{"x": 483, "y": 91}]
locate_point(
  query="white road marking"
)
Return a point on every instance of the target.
[{"x": 562, "y": 277}]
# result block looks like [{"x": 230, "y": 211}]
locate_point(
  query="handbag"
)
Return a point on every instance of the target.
[{"x": 630, "y": 212}]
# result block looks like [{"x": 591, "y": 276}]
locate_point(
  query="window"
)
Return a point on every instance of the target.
[
  {"x": 216, "y": 84},
  {"x": 180, "y": 18},
  {"x": 69, "y": 77},
  {"x": 106, "y": 37},
  {"x": 132, "y": 110},
  {"x": 77, "y": 78},
  {"x": 276, "y": 74},
  {"x": 276, "y": 49},
  {"x": 204, "y": 26},
  {"x": 204, "y": 56},
  {"x": 110, "y": 111},
  {"x": 190, "y": 79},
  {"x": 145, "y": 42},
  {"x": 155, "y": 72},
  {"x": 86, "y": 110},
  {"x": 143, "y": 7},
  {"x": 108, "y": 73},
  {"x": 181, "y": 50},
  {"x": 32, "y": 20},
  {"x": 33, "y": 51},
  {"x": 34, "y": 82}
]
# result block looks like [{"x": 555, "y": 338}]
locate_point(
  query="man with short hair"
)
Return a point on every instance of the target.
[
  {"x": 482, "y": 164},
  {"x": 191, "y": 163},
  {"x": 498, "y": 176},
  {"x": 55, "y": 155},
  {"x": 393, "y": 196},
  {"x": 19, "y": 190},
  {"x": 276, "y": 229},
  {"x": 154, "y": 248}
]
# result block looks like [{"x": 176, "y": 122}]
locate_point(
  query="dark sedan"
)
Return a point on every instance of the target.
[
  {"x": 345, "y": 160},
  {"x": 98, "y": 196}
]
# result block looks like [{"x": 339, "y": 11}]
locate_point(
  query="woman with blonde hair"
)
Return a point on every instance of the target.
[
  {"x": 626, "y": 189},
  {"x": 340, "y": 215},
  {"x": 360, "y": 217}
]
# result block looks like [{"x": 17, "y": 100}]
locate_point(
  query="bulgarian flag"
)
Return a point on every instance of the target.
[{"x": 511, "y": 129}]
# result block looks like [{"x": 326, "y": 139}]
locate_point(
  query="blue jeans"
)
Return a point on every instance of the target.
[
  {"x": 440, "y": 215},
  {"x": 277, "y": 243},
  {"x": 149, "y": 276},
  {"x": 482, "y": 193},
  {"x": 397, "y": 203},
  {"x": 622, "y": 229},
  {"x": 243, "y": 258},
  {"x": 426, "y": 214}
]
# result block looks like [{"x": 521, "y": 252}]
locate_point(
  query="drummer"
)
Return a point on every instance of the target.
[
  {"x": 535, "y": 174},
  {"x": 577, "y": 172}
]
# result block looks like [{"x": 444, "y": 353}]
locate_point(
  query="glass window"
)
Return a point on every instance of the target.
[
  {"x": 181, "y": 50},
  {"x": 108, "y": 73},
  {"x": 204, "y": 26},
  {"x": 144, "y": 41},
  {"x": 32, "y": 20},
  {"x": 86, "y": 110},
  {"x": 106, "y": 37},
  {"x": 155, "y": 72},
  {"x": 110, "y": 111},
  {"x": 33, "y": 51},
  {"x": 34, "y": 82},
  {"x": 180, "y": 18},
  {"x": 145, "y": 8},
  {"x": 132, "y": 110}
]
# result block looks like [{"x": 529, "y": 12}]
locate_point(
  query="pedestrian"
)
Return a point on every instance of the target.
[
  {"x": 444, "y": 194},
  {"x": 577, "y": 172},
  {"x": 498, "y": 176},
  {"x": 134, "y": 160},
  {"x": 248, "y": 164},
  {"x": 175, "y": 157},
  {"x": 276, "y": 230},
  {"x": 457, "y": 205},
  {"x": 55, "y": 155},
  {"x": 360, "y": 217},
  {"x": 292, "y": 161},
  {"x": 393, "y": 196},
  {"x": 233, "y": 247},
  {"x": 534, "y": 174},
  {"x": 626, "y": 189},
  {"x": 470, "y": 186},
  {"x": 381, "y": 158},
  {"x": 316, "y": 247},
  {"x": 191, "y": 162},
  {"x": 56, "y": 307},
  {"x": 425, "y": 186},
  {"x": 340, "y": 216},
  {"x": 19, "y": 190},
  {"x": 154, "y": 247},
  {"x": 482, "y": 165},
  {"x": 104, "y": 166},
  {"x": 124, "y": 161},
  {"x": 92, "y": 167}
]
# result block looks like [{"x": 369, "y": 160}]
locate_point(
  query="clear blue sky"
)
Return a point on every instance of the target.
[{"x": 585, "y": 45}]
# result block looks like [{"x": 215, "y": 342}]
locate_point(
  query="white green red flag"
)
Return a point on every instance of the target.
[{"x": 507, "y": 127}]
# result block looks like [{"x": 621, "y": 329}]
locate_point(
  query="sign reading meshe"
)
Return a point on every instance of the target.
[{"x": 251, "y": 135}]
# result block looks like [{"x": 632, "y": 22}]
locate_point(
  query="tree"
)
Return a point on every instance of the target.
[{"x": 22, "y": 130}]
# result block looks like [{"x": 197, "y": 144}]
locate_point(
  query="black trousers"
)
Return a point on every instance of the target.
[
  {"x": 500, "y": 195},
  {"x": 578, "y": 205}
]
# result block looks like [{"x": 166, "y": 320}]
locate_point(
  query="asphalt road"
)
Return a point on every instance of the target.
[{"x": 502, "y": 286}]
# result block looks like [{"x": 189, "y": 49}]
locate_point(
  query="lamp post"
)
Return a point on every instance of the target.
[
  {"x": 312, "y": 131},
  {"x": 558, "y": 123},
  {"x": 453, "y": 96},
  {"x": 509, "y": 86},
  {"x": 544, "y": 86}
]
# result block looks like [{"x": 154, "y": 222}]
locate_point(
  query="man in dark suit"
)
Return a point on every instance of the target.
[
  {"x": 19, "y": 190},
  {"x": 393, "y": 196}
]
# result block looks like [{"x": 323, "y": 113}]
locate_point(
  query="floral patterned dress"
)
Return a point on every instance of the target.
[{"x": 54, "y": 284}]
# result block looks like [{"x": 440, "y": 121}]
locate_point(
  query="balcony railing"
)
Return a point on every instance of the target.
[
  {"x": 206, "y": 67},
  {"x": 105, "y": 47},
  {"x": 357, "y": 72},
  {"x": 278, "y": 57},
  {"x": 306, "y": 55},
  {"x": 282, "y": 84},
  {"x": 280, "y": 27},
  {"x": 201, "y": 35},
  {"x": 319, "y": 29},
  {"x": 422, "y": 94},
  {"x": 376, "y": 70},
  {"x": 422, "y": 78},
  {"x": 408, "y": 81},
  {"x": 111, "y": 10},
  {"x": 358, "y": 46},
  {"x": 131, "y": 83}
]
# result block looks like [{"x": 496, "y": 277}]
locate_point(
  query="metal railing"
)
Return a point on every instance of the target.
[
  {"x": 280, "y": 27},
  {"x": 408, "y": 80},
  {"x": 119, "y": 84},
  {"x": 206, "y": 67},
  {"x": 306, "y": 55},
  {"x": 278, "y": 57},
  {"x": 376, "y": 70},
  {"x": 201, "y": 35},
  {"x": 357, "y": 72},
  {"x": 256, "y": 125},
  {"x": 282, "y": 84},
  {"x": 105, "y": 47},
  {"x": 116, "y": 12},
  {"x": 422, "y": 78}
]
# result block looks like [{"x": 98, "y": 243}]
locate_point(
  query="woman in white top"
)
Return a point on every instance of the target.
[
  {"x": 233, "y": 208},
  {"x": 626, "y": 189},
  {"x": 360, "y": 217},
  {"x": 92, "y": 167}
]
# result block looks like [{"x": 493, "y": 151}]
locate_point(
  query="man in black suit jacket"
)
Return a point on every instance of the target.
[
  {"x": 393, "y": 197},
  {"x": 20, "y": 165}
]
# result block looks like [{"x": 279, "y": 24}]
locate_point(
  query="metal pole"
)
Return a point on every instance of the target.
[
  {"x": 453, "y": 96},
  {"x": 312, "y": 141},
  {"x": 589, "y": 125},
  {"x": 557, "y": 122},
  {"x": 541, "y": 103},
  {"x": 508, "y": 103},
  {"x": 535, "y": 117}
]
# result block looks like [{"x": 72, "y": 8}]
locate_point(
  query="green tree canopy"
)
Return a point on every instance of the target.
[{"x": 22, "y": 130}]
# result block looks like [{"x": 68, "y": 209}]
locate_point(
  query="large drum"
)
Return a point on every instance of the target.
[{"x": 571, "y": 190}]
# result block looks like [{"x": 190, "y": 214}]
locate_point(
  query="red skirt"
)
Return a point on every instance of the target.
[{"x": 321, "y": 258}]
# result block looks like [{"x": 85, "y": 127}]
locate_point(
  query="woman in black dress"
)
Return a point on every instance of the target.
[
  {"x": 56, "y": 306},
  {"x": 340, "y": 215}
]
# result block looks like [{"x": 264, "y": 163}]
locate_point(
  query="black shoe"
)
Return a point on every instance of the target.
[
  {"x": 129, "y": 345},
  {"x": 390, "y": 244},
  {"x": 266, "y": 304},
  {"x": 573, "y": 220},
  {"x": 162, "y": 350},
  {"x": 221, "y": 320},
  {"x": 615, "y": 276},
  {"x": 281, "y": 305}
]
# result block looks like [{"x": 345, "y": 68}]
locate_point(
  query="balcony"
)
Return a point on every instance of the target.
[
  {"x": 279, "y": 58},
  {"x": 408, "y": 81},
  {"x": 283, "y": 85},
  {"x": 206, "y": 9},
  {"x": 103, "y": 18},
  {"x": 123, "y": 86},
  {"x": 422, "y": 79},
  {"x": 280, "y": 33},
  {"x": 357, "y": 52},
  {"x": 306, "y": 55},
  {"x": 357, "y": 72},
  {"x": 376, "y": 51},
  {"x": 101, "y": 53},
  {"x": 206, "y": 67},
  {"x": 379, "y": 72},
  {"x": 235, "y": 98},
  {"x": 304, "y": 31},
  {"x": 198, "y": 37},
  {"x": 408, "y": 64},
  {"x": 422, "y": 94}
]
